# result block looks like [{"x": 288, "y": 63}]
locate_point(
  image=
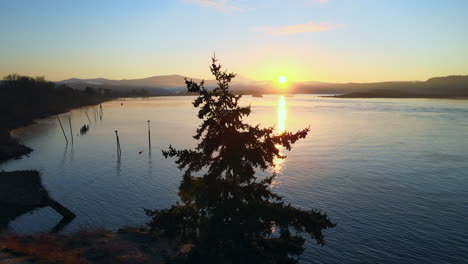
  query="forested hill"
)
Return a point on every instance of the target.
[
  {"x": 24, "y": 99},
  {"x": 450, "y": 86}
]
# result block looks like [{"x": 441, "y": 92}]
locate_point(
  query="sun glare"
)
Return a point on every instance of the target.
[{"x": 282, "y": 79}]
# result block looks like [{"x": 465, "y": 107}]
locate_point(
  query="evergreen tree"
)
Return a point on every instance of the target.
[{"x": 226, "y": 212}]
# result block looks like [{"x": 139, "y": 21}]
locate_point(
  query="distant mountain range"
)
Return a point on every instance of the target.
[
  {"x": 164, "y": 84},
  {"x": 452, "y": 86}
]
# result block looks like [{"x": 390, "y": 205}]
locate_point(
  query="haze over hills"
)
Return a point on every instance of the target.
[
  {"x": 456, "y": 86},
  {"x": 450, "y": 86},
  {"x": 155, "y": 84},
  {"x": 163, "y": 84}
]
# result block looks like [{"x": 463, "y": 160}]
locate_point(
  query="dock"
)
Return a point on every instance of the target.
[{"x": 22, "y": 192}]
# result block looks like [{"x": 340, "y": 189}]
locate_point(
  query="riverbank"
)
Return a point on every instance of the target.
[
  {"x": 21, "y": 103},
  {"x": 24, "y": 99},
  {"x": 11, "y": 148},
  {"x": 127, "y": 245}
]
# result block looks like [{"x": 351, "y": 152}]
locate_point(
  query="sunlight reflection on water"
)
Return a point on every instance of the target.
[{"x": 282, "y": 115}]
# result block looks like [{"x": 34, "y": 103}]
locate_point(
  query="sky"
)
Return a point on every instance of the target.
[{"x": 305, "y": 40}]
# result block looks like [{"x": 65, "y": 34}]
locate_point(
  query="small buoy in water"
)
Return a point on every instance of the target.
[{"x": 139, "y": 152}]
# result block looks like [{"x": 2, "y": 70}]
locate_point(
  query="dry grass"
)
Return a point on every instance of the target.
[
  {"x": 131, "y": 245},
  {"x": 43, "y": 248}
]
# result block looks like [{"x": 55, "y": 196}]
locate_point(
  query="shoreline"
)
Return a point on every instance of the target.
[
  {"x": 126, "y": 245},
  {"x": 22, "y": 191},
  {"x": 11, "y": 148}
]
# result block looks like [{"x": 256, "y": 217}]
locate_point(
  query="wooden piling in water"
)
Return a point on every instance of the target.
[
  {"x": 101, "y": 111},
  {"x": 88, "y": 116},
  {"x": 119, "y": 150},
  {"x": 66, "y": 139},
  {"x": 71, "y": 130},
  {"x": 149, "y": 136}
]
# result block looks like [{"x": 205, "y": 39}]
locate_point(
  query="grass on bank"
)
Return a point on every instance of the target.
[{"x": 129, "y": 245}]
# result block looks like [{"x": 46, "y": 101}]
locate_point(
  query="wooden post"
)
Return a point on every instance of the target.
[
  {"x": 88, "y": 116},
  {"x": 71, "y": 130},
  {"x": 119, "y": 151},
  {"x": 66, "y": 139},
  {"x": 117, "y": 141},
  {"x": 94, "y": 111},
  {"x": 149, "y": 135}
]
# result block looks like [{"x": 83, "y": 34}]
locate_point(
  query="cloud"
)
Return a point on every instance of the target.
[
  {"x": 299, "y": 28},
  {"x": 223, "y": 5},
  {"x": 234, "y": 5}
]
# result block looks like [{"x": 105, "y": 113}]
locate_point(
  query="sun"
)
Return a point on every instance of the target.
[{"x": 282, "y": 79}]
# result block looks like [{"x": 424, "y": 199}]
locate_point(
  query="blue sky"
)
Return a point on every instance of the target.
[{"x": 334, "y": 40}]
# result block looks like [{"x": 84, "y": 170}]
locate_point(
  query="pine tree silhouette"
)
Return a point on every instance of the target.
[{"x": 226, "y": 212}]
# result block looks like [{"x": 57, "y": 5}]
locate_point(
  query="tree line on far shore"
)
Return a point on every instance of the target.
[{"x": 24, "y": 98}]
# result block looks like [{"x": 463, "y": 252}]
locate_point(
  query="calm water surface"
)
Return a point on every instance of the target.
[{"x": 393, "y": 173}]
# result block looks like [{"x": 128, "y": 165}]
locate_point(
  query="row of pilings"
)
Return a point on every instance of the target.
[{"x": 98, "y": 115}]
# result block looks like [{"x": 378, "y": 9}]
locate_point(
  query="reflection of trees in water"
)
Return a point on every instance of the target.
[{"x": 228, "y": 214}]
